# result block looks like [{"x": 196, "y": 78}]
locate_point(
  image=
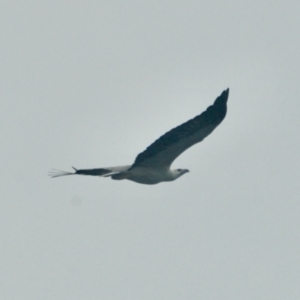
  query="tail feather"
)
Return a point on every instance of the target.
[{"x": 120, "y": 176}]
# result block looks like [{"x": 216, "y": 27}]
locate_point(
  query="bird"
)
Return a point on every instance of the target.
[{"x": 152, "y": 166}]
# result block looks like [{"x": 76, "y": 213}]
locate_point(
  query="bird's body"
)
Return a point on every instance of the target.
[
  {"x": 153, "y": 165},
  {"x": 149, "y": 176}
]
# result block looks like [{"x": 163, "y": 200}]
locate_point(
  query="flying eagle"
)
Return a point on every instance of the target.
[{"x": 152, "y": 166}]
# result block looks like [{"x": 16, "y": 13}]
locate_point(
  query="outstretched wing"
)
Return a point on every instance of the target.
[
  {"x": 102, "y": 172},
  {"x": 168, "y": 147}
]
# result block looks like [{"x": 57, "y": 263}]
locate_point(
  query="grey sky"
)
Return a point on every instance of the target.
[{"x": 92, "y": 84}]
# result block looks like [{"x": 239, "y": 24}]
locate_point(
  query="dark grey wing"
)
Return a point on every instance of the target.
[
  {"x": 168, "y": 147},
  {"x": 102, "y": 172},
  {"x": 93, "y": 172}
]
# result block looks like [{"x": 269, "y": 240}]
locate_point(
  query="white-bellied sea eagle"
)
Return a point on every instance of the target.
[{"x": 153, "y": 165}]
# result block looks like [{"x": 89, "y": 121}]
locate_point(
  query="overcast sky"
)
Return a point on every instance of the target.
[{"x": 92, "y": 84}]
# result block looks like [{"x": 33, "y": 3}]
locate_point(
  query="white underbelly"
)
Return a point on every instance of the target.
[{"x": 146, "y": 176}]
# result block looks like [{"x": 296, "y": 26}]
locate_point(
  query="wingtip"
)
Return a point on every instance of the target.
[
  {"x": 58, "y": 173},
  {"x": 226, "y": 92},
  {"x": 222, "y": 99}
]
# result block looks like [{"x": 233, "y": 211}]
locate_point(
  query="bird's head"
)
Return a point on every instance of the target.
[{"x": 179, "y": 172}]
